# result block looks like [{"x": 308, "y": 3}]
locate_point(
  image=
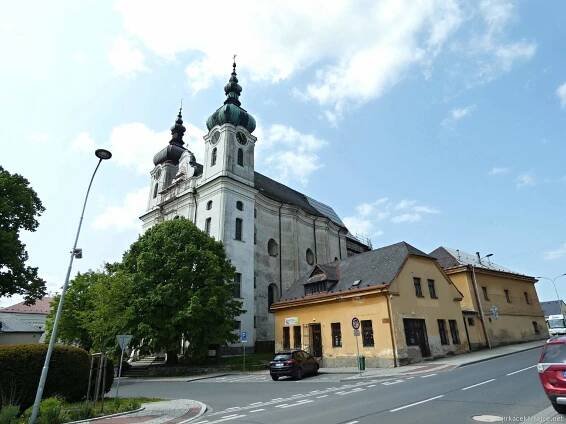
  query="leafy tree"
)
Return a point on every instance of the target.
[
  {"x": 181, "y": 287},
  {"x": 19, "y": 209}
]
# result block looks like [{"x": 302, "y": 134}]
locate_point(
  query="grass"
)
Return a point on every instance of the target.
[{"x": 254, "y": 361}]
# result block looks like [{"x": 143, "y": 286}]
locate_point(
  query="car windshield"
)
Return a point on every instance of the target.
[
  {"x": 282, "y": 357},
  {"x": 554, "y": 353},
  {"x": 556, "y": 323}
]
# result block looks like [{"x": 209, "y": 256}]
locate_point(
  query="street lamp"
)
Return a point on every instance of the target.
[
  {"x": 101, "y": 154},
  {"x": 553, "y": 280},
  {"x": 480, "y": 307}
]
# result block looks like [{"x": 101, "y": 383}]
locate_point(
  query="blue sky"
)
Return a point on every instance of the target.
[{"x": 434, "y": 122}]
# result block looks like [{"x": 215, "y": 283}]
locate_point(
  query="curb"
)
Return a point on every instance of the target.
[
  {"x": 206, "y": 377},
  {"x": 118, "y": 414},
  {"x": 498, "y": 356},
  {"x": 203, "y": 409}
]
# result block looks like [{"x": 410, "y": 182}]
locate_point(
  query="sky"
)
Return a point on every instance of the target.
[{"x": 433, "y": 122}]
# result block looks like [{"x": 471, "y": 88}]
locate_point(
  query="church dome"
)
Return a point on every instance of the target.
[
  {"x": 172, "y": 153},
  {"x": 231, "y": 112}
]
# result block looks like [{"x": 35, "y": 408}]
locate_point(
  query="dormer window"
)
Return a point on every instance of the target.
[{"x": 313, "y": 288}]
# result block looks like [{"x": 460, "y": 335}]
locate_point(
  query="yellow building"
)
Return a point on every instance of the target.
[
  {"x": 499, "y": 306},
  {"x": 407, "y": 307}
]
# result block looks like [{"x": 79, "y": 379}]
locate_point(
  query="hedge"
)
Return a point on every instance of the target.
[{"x": 20, "y": 369}]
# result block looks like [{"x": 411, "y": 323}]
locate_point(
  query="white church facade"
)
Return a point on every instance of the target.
[{"x": 272, "y": 234}]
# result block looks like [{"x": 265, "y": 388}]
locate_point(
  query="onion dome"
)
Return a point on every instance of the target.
[
  {"x": 231, "y": 111},
  {"x": 172, "y": 153}
]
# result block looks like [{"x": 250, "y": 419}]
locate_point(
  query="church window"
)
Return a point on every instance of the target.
[
  {"x": 310, "y": 257},
  {"x": 238, "y": 229},
  {"x": 240, "y": 157},
  {"x": 272, "y": 247},
  {"x": 213, "y": 160},
  {"x": 155, "y": 190},
  {"x": 271, "y": 295},
  {"x": 207, "y": 226},
  {"x": 209, "y": 205},
  {"x": 239, "y": 206},
  {"x": 237, "y": 285},
  {"x": 255, "y": 235}
]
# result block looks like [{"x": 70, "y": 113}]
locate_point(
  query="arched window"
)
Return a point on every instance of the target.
[
  {"x": 209, "y": 205},
  {"x": 310, "y": 257},
  {"x": 272, "y": 247},
  {"x": 272, "y": 295},
  {"x": 238, "y": 229},
  {"x": 207, "y": 226},
  {"x": 155, "y": 190},
  {"x": 213, "y": 160},
  {"x": 240, "y": 157},
  {"x": 239, "y": 206}
]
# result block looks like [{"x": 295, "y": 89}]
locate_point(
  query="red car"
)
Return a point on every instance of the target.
[{"x": 552, "y": 372}]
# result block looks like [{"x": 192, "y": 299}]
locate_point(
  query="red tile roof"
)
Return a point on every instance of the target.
[{"x": 41, "y": 306}]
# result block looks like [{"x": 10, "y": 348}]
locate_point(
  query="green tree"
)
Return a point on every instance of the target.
[
  {"x": 181, "y": 287},
  {"x": 19, "y": 209}
]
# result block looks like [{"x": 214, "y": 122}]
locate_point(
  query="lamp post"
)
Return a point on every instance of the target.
[
  {"x": 101, "y": 154},
  {"x": 553, "y": 280},
  {"x": 482, "y": 318}
]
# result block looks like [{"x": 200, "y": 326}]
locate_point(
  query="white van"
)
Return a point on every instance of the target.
[{"x": 556, "y": 325}]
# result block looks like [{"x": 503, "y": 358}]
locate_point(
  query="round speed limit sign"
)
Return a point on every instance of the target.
[{"x": 355, "y": 323}]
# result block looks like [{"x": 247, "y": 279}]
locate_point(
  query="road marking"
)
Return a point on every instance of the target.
[
  {"x": 228, "y": 418},
  {"x": 389, "y": 383},
  {"x": 479, "y": 384},
  {"x": 255, "y": 403},
  {"x": 416, "y": 403},
  {"x": 234, "y": 408},
  {"x": 352, "y": 422},
  {"x": 521, "y": 370},
  {"x": 371, "y": 385},
  {"x": 426, "y": 376},
  {"x": 258, "y": 410},
  {"x": 342, "y": 393},
  {"x": 301, "y": 402},
  {"x": 409, "y": 378},
  {"x": 322, "y": 396}
]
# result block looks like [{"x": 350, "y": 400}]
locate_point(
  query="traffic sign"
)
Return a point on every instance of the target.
[
  {"x": 355, "y": 323},
  {"x": 124, "y": 340},
  {"x": 356, "y": 332},
  {"x": 244, "y": 337},
  {"x": 494, "y": 312}
]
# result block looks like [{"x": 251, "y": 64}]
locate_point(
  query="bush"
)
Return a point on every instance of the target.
[
  {"x": 8, "y": 414},
  {"x": 20, "y": 369}
]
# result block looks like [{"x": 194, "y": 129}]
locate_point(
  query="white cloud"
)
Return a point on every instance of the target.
[
  {"x": 125, "y": 216},
  {"x": 287, "y": 154},
  {"x": 83, "y": 143},
  {"x": 561, "y": 93},
  {"x": 125, "y": 58},
  {"x": 526, "y": 180},
  {"x": 498, "y": 171},
  {"x": 457, "y": 114},
  {"x": 369, "y": 218},
  {"x": 556, "y": 254}
]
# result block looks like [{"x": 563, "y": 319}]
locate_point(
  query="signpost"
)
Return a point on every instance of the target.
[
  {"x": 356, "y": 327},
  {"x": 123, "y": 341},
  {"x": 244, "y": 340},
  {"x": 494, "y": 312}
]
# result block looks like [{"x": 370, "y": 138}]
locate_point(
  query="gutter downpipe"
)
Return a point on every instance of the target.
[
  {"x": 280, "y": 257},
  {"x": 391, "y": 332},
  {"x": 482, "y": 318}
]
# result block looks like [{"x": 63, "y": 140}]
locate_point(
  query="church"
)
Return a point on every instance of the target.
[{"x": 272, "y": 234}]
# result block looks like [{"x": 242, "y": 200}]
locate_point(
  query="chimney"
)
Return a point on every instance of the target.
[{"x": 479, "y": 257}]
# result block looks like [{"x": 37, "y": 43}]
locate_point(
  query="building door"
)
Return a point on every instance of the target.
[
  {"x": 415, "y": 335},
  {"x": 315, "y": 340}
]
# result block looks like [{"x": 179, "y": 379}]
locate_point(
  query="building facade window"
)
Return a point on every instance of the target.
[
  {"x": 432, "y": 289},
  {"x": 527, "y": 300},
  {"x": 207, "y": 225},
  {"x": 238, "y": 229},
  {"x": 507, "y": 296},
  {"x": 442, "y": 331},
  {"x": 313, "y": 288},
  {"x": 240, "y": 157},
  {"x": 213, "y": 159},
  {"x": 484, "y": 290},
  {"x": 237, "y": 289},
  {"x": 155, "y": 190},
  {"x": 255, "y": 321},
  {"x": 255, "y": 235},
  {"x": 471, "y": 321},
  {"x": 237, "y": 326},
  {"x": 310, "y": 257},
  {"x": 271, "y": 295},
  {"x": 367, "y": 333},
  {"x": 239, "y": 206},
  {"x": 209, "y": 205},
  {"x": 454, "y": 331},
  {"x": 286, "y": 339},
  {"x": 336, "y": 334},
  {"x": 297, "y": 336},
  {"x": 272, "y": 247},
  {"x": 536, "y": 327},
  {"x": 418, "y": 288}
]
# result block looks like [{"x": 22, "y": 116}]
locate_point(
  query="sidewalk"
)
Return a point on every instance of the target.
[{"x": 440, "y": 364}]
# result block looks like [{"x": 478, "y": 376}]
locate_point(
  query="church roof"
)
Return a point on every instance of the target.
[
  {"x": 377, "y": 267},
  {"x": 281, "y": 193}
]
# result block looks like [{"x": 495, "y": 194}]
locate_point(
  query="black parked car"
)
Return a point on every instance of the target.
[{"x": 293, "y": 363}]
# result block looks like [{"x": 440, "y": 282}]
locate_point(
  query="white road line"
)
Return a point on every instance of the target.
[
  {"x": 234, "y": 408},
  {"x": 352, "y": 422},
  {"x": 426, "y": 376},
  {"x": 521, "y": 370},
  {"x": 301, "y": 402},
  {"x": 322, "y": 396},
  {"x": 371, "y": 385},
  {"x": 258, "y": 410},
  {"x": 479, "y": 384},
  {"x": 255, "y": 403},
  {"x": 230, "y": 417},
  {"x": 282, "y": 405},
  {"x": 416, "y": 403},
  {"x": 389, "y": 383}
]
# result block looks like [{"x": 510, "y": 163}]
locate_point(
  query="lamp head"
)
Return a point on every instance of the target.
[
  {"x": 489, "y": 256},
  {"x": 103, "y": 154}
]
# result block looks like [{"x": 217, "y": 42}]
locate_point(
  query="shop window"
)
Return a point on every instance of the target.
[
  {"x": 367, "y": 333},
  {"x": 418, "y": 288},
  {"x": 286, "y": 339},
  {"x": 297, "y": 336},
  {"x": 336, "y": 334},
  {"x": 454, "y": 331},
  {"x": 442, "y": 332}
]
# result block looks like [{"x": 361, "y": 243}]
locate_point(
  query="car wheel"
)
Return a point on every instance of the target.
[
  {"x": 315, "y": 372},
  {"x": 299, "y": 374},
  {"x": 274, "y": 377},
  {"x": 561, "y": 409}
]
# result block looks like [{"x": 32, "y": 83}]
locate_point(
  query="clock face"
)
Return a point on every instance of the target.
[
  {"x": 215, "y": 137},
  {"x": 241, "y": 138}
]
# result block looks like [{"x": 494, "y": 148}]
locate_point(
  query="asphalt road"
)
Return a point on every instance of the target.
[{"x": 504, "y": 387}]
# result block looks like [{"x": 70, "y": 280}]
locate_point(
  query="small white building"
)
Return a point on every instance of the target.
[
  {"x": 21, "y": 323},
  {"x": 272, "y": 234}
]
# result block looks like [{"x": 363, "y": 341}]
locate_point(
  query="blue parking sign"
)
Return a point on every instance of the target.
[{"x": 243, "y": 337}]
